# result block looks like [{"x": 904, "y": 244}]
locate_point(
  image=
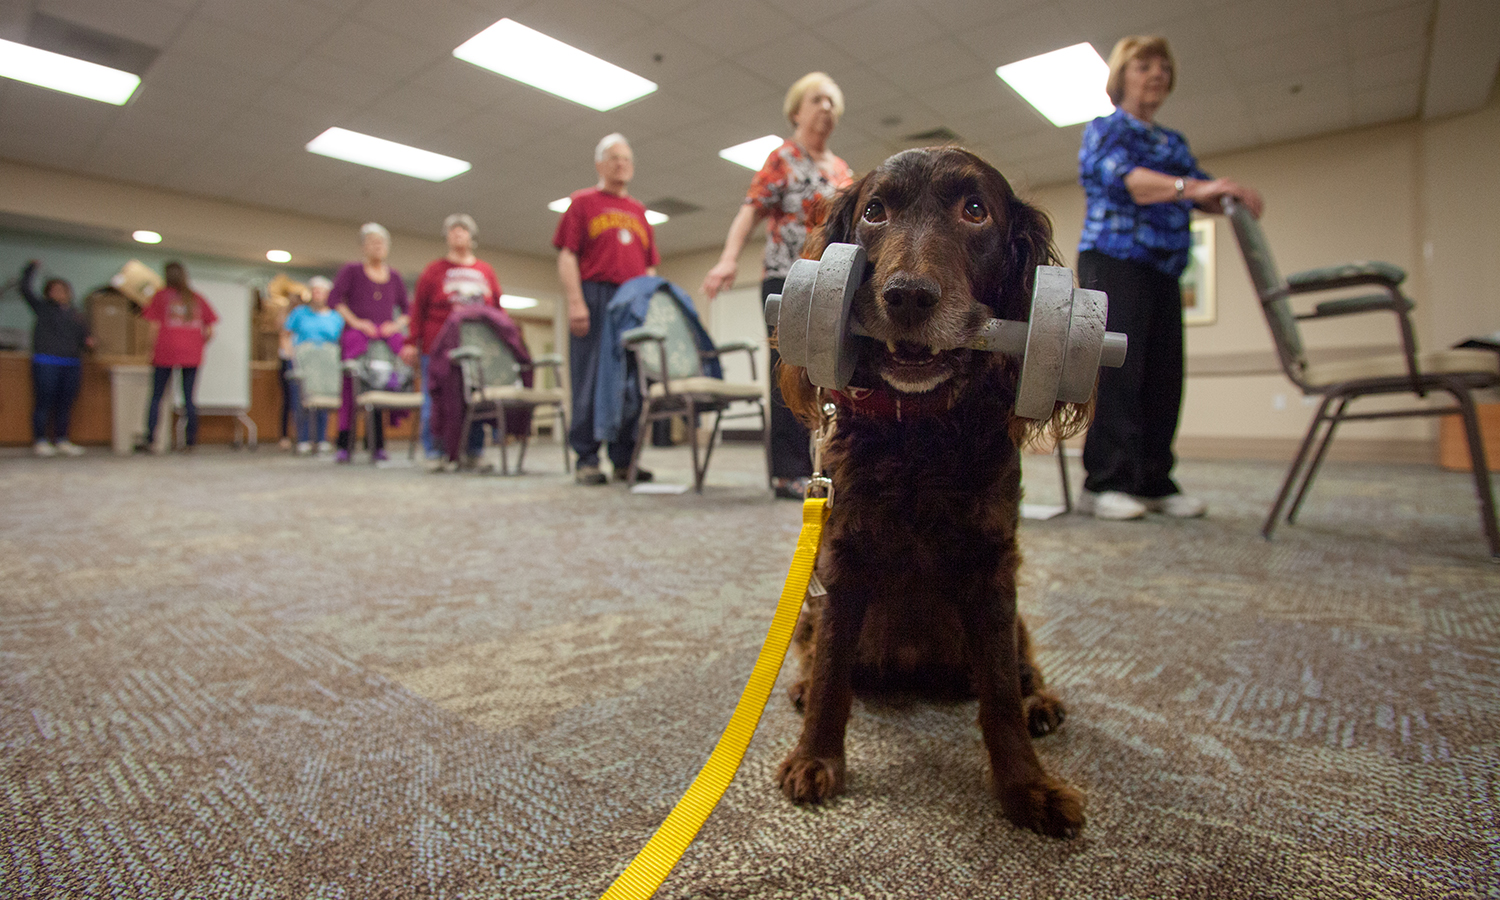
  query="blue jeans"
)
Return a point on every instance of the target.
[
  {"x": 159, "y": 380},
  {"x": 312, "y": 424},
  {"x": 583, "y": 367},
  {"x": 429, "y": 440},
  {"x": 54, "y": 388}
]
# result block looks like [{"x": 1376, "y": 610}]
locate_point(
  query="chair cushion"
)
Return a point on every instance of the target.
[
  {"x": 321, "y": 403},
  {"x": 1447, "y": 362},
  {"x": 390, "y": 399},
  {"x": 518, "y": 394},
  {"x": 704, "y": 386}
]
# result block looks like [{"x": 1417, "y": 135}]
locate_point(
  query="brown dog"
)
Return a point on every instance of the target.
[{"x": 919, "y": 554}]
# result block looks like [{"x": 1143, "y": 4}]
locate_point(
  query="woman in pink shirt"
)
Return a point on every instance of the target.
[{"x": 181, "y": 324}]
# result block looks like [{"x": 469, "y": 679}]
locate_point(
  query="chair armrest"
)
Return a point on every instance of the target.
[
  {"x": 643, "y": 333},
  {"x": 1344, "y": 306},
  {"x": 458, "y": 353},
  {"x": 732, "y": 346},
  {"x": 1347, "y": 275},
  {"x": 547, "y": 359}
]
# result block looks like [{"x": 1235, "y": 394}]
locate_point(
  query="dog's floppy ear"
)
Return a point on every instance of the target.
[{"x": 837, "y": 227}]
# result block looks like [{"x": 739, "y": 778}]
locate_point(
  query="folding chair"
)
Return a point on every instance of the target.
[
  {"x": 674, "y": 384},
  {"x": 382, "y": 385},
  {"x": 1458, "y": 372},
  {"x": 493, "y": 387},
  {"x": 315, "y": 368}
]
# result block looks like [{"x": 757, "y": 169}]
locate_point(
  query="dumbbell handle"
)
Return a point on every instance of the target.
[{"x": 1007, "y": 336}]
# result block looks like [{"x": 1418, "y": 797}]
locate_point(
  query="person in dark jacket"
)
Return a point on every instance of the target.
[{"x": 57, "y": 344}]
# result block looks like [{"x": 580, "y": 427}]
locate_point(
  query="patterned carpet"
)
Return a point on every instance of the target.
[{"x": 243, "y": 675}]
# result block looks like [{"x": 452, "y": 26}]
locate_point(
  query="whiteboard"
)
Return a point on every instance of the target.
[{"x": 224, "y": 378}]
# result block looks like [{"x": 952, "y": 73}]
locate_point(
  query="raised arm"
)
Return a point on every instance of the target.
[{"x": 721, "y": 276}]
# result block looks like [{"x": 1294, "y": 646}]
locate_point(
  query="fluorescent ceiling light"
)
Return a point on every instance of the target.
[
  {"x": 44, "y": 68},
  {"x": 752, "y": 154},
  {"x": 378, "y": 153},
  {"x": 278, "y": 256},
  {"x": 652, "y": 216},
  {"x": 1066, "y": 86},
  {"x": 515, "y": 301},
  {"x": 511, "y": 49},
  {"x": 147, "y": 237}
]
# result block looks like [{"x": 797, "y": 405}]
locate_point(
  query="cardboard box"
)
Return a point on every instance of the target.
[
  {"x": 112, "y": 320},
  {"x": 116, "y": 324},
  {"x": 137, "y": 281},
  {"x": 1453, "y": 446}
]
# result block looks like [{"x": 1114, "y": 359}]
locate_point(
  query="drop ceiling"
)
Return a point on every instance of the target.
[{"x": 232, "y": 90}]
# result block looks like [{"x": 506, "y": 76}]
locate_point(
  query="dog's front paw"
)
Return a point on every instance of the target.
[
  {"x": 797, "y": 693},
  {"x": 1044, "y": 714},
  {"x": 1047, "y": 806},
  {"x": 808, "y": 779}
]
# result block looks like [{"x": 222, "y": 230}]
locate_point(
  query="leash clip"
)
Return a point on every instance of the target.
[{"x": 821, "y": 485}]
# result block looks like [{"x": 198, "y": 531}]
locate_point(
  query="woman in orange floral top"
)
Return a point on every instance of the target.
[{"x": 791, "y": 191}]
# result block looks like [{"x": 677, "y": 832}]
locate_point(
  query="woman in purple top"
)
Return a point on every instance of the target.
[{"x": 371, "y": 297}]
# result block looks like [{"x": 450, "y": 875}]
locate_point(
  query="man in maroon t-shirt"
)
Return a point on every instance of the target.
[
  {"x": 603, "y": 240},
  {"x": 455, "y": 279}
]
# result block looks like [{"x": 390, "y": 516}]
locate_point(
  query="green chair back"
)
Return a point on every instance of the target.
[
  {"x": 317, "y": 365},
  {"x": 667, "y": 315},
  {"x": 497, "y": 363},
  {"x": 1270, "y": 287}
]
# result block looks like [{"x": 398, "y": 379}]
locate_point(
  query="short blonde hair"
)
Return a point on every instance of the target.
[
  {"x": 1131, "y": 48},
  {"x": 375, "y": 228},
  {"x": 806, "y": 83}
]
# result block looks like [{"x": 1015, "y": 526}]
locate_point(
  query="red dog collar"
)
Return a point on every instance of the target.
[{"x": 879, "y": 403}]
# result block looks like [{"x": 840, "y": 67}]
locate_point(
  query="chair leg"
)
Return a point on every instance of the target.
[
  {"x": 1062, "y": 469},
  {"x": 562, "y": 437},
  {"x": 713, "y": 440},
  {"x": 1294, "y": 472},
  {"x": 1317, "y": 460},
  {"x": 642, "y": 428},
  {"x": 1481, "y": 467},
  {"x": 692, "y": 427}
]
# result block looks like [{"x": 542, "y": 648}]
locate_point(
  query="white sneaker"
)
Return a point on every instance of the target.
[
  {"x": 1178, "y": 506},
  {"x": 304, "y": 448},
  {"x": 68, "y": 448},
  {"x": 43, "y": 448},
  {"x": 324, "y": 446},
  {"x": 1114, "y": 505}
]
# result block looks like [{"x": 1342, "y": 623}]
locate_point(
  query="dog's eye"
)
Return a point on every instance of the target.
[
  {"x": 875, "y": 211},
  {"x": 974, "y": 210}
]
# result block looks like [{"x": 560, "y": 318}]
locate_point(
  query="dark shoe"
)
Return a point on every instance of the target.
[
  {"x": 623, "y": 474},
  {"x": 789, "y": 488},
  {"x": 589, "y": 475}
]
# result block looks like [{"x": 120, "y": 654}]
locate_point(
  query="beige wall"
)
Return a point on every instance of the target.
[{"x": 219, "y": 228}]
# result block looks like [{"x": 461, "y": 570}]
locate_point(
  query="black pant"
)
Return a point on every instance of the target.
[
  {"x": 583, "y": 369},
  {"x": 54, "y": 388},
  {"x": 1129, "y": 445},
  {"x": 288, "y": 398},
  {"x": 159, "y": 379},
  {"x": 791, "y": 449}
]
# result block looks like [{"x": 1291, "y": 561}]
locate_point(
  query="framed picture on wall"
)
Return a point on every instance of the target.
[{"x": 1199, "y": 288}]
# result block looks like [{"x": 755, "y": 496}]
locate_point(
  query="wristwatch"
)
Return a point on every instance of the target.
[{"x": 1179, "y": 184}]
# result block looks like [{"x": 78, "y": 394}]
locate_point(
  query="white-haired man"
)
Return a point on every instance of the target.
[{"x": 603, "y": 240}]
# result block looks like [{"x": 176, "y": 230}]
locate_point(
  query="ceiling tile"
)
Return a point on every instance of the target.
[
  {"x": 145, "y": 21},
  {"x": 1024, "y": 34},
  {"x": 284, "y": 23}
]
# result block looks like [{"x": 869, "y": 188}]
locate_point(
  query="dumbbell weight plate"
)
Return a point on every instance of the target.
[
  {"x": 1046, "y": 342},
  {"x": 831, "y": 351},
  {"x": 794, "y": 311},
  {"x": 1085, "y": 346}
]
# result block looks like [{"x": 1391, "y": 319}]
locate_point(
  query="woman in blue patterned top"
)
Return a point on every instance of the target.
[{"x": 1142, "y": 183}]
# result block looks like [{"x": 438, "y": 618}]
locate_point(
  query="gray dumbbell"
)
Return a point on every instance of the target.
[{"x": 1061, "y": 346}]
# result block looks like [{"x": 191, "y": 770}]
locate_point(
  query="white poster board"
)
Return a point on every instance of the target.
[
  {"x": 224, "y": 378},
  {"x": 738, "y": 315}
]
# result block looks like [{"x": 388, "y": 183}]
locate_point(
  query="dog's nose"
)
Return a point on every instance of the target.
[{"x": 910, "y": 296}]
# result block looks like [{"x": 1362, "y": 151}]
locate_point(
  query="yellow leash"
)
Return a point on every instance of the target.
[{"x": 655, "y": 861}]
